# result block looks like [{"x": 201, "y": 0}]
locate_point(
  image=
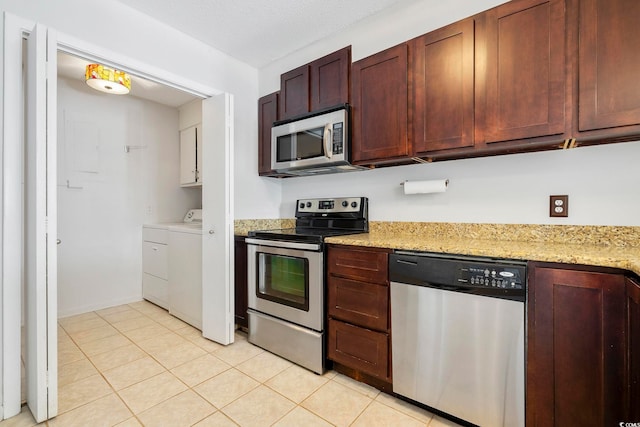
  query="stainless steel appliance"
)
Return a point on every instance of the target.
[
  {"x": 457, "y": 328},
  {"x": 286, "y": 278},
  {"x": 313, "y": 144}
]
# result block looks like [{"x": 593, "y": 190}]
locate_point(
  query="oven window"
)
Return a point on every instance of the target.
[
  {"x": 300, "y": 145},
  {"x": 283, "y": 279}
]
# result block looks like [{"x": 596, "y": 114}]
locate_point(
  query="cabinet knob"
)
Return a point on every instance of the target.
[
  {"x": 58, "y": 241},
  {"x": 211, "y": 231},
  {"x": 155, "y": 248}
]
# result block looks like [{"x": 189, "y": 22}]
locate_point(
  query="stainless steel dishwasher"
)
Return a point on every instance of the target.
[{"x": 457, "y": 332}]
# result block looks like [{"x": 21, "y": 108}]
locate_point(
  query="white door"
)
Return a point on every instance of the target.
[
  {"x": 40, "y": 227},
  {"x": 217, "y": 218}
]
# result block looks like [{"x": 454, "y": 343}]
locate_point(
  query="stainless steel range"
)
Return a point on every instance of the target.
[{"x": 286, "y": 278}]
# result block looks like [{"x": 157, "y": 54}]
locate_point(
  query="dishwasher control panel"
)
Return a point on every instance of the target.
[
  {"x": 499, "y": 278},
  {"x": 491, "y": 276}
]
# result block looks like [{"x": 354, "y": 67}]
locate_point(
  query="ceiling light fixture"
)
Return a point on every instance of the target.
[{"x": 107, "y": 79}]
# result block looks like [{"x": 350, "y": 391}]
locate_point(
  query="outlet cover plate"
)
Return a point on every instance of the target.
[{"x": 559, "y": 206}]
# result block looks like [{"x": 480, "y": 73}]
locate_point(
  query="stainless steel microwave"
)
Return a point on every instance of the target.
[{"x": 312, "y": 144}]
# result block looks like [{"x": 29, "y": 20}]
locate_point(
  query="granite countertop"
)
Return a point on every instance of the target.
[{"x": 606, "y": 246}]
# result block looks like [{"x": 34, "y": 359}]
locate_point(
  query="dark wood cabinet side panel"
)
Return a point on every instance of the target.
[
  {"x": 443, "y": 88},
  {"x": 633, "y": 351},
  {"x": 267, "y": 114},
  {"x": 240, "y": 287},
  {"x": 609, "y": 94},
  {"x": 525, "y": 70},
  {"x": 576, "y": 348},
  {"x": 294, "y": 92},
  {"x": 366, "y": 264},
  {"x": 379, "y": 99},
  {"x": 330, "y": 83},
  {"x": 359, "y": 348},
  {"x": 360, "y": 303}
]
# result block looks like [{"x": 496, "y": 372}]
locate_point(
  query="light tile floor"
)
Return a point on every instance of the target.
[{"x": 135, "y": 364}]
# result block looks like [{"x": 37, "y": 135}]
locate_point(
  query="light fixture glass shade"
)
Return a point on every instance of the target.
[{"x": 107, "y": 79}]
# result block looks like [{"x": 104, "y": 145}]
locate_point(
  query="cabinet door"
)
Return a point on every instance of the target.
[
  {"x": 267, "y": 114},
  {"x": 241, "y": 290},
  {"x": 525, "y": 73},
  {"x": 199, "y": 154},
  {"x": 633, "y": 334},
  {"x": 443, "y": 88},
  {"x": 359, "y": 348},
  {"x": 361, "y": 303},
  {"x": 330, "y": 79},
  {"x": 379, "y": 99},
  {"x": 363, "y": 264},
  {"x": 576, "y": 348},
  {"x": 188, "y": 156},
  {"x": 294, "y": 92},
  {"x": 609, "y": 64}
]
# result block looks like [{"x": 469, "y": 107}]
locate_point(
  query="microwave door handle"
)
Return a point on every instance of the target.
[{"x": 327, "y": 141}]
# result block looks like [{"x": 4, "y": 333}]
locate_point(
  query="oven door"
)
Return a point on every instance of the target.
[{"x": 285, "y": 280}]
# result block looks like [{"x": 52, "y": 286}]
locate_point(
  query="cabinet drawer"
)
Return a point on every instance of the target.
[
  {"x": 157, "y": 235},
  {"x": 154, "y": 259},
  {"x": 361, "y": 303},
  {"x": 155, "y": 290},
  {"x": 358, "y": 348},
  {"x": 369, "y": 265}
]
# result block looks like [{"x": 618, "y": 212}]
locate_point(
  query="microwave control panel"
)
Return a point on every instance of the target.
[{"x": 338, "y": 139}]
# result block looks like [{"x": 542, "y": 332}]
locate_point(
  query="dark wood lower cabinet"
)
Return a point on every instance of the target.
[
  {"x": 577, "y": 347},
  {"x": 359, "y": 337},
  {"x": 240, "y": 287},
  {"x": 633, "y": 334},
  {"x": 359, "y": 348}
]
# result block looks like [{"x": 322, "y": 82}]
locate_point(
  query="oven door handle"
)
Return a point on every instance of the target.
[{"x": 287, "y": 245}]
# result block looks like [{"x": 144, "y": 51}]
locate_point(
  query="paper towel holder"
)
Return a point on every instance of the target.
[{"x": 446, "y": 181}]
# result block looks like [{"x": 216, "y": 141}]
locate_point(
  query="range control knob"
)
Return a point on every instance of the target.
[
  {"x": 308, "y": 204},
  {"x": 301, "y": 205},
  {"x": 345, "y": 203},
  {"x": 354, "y": 204}
]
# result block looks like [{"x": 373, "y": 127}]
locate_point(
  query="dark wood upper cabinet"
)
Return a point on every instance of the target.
[
  {"x": 609, "y": 65},
  {"x": 267, "y": 114},
  {"x": 319, "y": 84},
  {"x": 294, "y": 92},
  {"x": 330, "y": 79},
  {"x": 633, "y": 334},
  {"x": 576, "y": 348},
  {"x": 443, "y": 88},
  {"x": 379, "y": 100},
  {"x": 521, "y": 70}
]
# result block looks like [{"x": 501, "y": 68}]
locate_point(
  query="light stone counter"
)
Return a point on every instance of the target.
[
  {"x": 243, "y": 226},
  {"x": 607, "y": 246}
]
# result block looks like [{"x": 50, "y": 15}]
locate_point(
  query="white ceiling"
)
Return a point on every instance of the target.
[{"x": 258, "y": 32}]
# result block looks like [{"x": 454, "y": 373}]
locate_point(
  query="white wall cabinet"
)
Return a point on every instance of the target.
[
  {"x": 155, "y": 266},
  {"x": 191, "y": 156}
]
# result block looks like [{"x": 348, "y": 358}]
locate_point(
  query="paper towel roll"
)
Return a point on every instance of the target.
[{"x": 424, "y": 187}]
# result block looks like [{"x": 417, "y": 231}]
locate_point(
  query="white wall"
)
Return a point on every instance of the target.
[
  {"x": 117, "y": 28},
  {"x": 602, "y": 182},
  {"x": 112, "y": 192}
]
